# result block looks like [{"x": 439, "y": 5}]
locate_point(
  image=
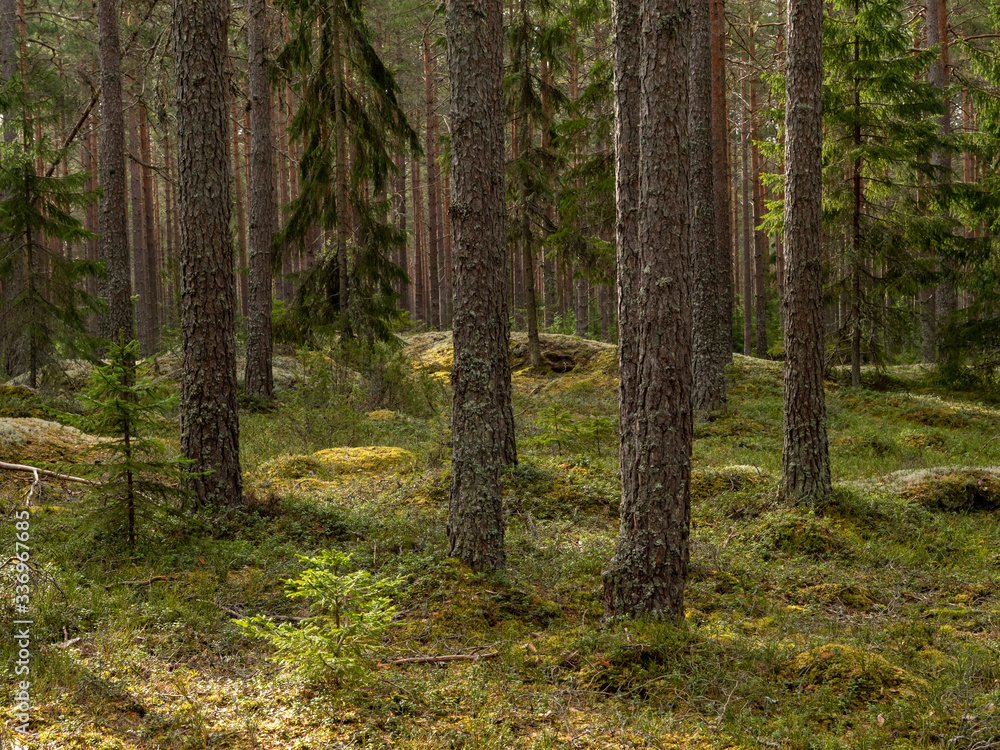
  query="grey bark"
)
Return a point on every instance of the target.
[
  {"x": 259, "y": 378},
  {"x": 209, "y": 423},
  {"x": 805, "y": 455},
  {"x": 720, "y": 162},
  {"x": 649, "y": 567},
  {"x": 482, "y": 416}
]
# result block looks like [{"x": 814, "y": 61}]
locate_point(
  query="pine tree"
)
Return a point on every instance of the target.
[{"x": 138, "y": 477}]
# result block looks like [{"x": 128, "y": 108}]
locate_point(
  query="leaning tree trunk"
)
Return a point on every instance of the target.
[
  {"x": 709, "y": 372},
  {"x": 209, "y": 424},
  {"x": 113, "y": 248},
  {"x": 481, "y": 414},
  {"x": 259, "y": 378},
  {"x": 806, "y": 454},
  {"x": 648, "y": 570}
]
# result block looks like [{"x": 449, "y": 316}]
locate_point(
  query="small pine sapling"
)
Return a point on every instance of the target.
[
  {"x": 349, "y": 614},
  {"x": 138, "y": 476}
]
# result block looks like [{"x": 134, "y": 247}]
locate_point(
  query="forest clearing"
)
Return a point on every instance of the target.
[{"x": 870, "y": 620}]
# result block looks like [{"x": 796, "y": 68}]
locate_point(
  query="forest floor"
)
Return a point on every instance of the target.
[{"x": 872, "y": 621}]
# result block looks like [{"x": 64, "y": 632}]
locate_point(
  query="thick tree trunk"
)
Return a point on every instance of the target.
[
  {"x": 113, "y": 249},
  {"x": 258, "y": 378},
  {"x": 709, "y": 369},
  {"x": 806, "y": 455},
  {"x": 482, "y": 416},
  {"x": 209, "y": 423},
  {"x": 648, "y": 570}
]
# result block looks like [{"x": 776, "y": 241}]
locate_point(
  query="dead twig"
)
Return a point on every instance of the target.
[
  {"x": 446, "y": 658},
  {"x": 143, "y": 583},
  {"x": 46, "y": 472}
]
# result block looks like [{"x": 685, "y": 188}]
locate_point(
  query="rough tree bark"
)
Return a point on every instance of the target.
[
  {"x": 258, "y": 378},
  {"x": 482, "y": 417},
  {"x": 113, "y": 248},
  {"x": 648, "y": 570},
  {"x": 709, "y": 376},
  {"x": 806, "y": 454},
  {"x": 209, "y": 424}
]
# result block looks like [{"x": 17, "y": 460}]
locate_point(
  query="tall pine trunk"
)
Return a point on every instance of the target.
[
  {"x": 806, "y": 453},
  {"x": 709, "y": 372},
  {"x": 649, "y": 567},
  {"x": 258, "y": 378},
  {"x": 430, "y": 146},
  {"x": 209, "y": 423},
  {"x": 482, "y": 416},
  {"x": 113, "y": 249}
]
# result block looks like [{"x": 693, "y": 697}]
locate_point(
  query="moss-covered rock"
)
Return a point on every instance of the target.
[
  {"x": 859, "y": 676},
  {"x": 806, "y": 535},
  {"x": 953, "y": 489},
  {"x": 39, "y": 442}
]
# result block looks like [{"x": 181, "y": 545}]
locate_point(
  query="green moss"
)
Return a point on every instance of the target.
[
  {"x": 806, "y": 535},
  {"x": 857, "y": 675},
  {"x": 708, "y": 483},
  {"x": 853, "y": 596},
  {"x": 955, "y": 490}
]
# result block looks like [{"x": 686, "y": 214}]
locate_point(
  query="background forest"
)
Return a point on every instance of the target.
[{"x": 269, "y": 189}]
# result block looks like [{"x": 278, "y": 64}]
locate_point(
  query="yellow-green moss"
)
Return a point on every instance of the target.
[
  {"x": 860, "y": 676},
  {"x": 292, "y": 467},
  {"x": 955, "y": 490},
  {"x": 368, "y": 458},
  {"x": 382, "y": 415},
  {"x": 856, "y": 597},
  {"x": 39, "y": 442}
]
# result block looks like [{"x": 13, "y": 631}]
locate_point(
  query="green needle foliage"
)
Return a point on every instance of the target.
[
  {"x": 138, "y": 476},
  {"x": 351, "y": 613}
]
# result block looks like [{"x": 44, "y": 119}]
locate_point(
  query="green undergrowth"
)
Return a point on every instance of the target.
[{"x": 870, "y": 620}]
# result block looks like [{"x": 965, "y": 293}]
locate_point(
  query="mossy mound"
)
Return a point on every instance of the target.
[
  {"x": 432, "y": 352},
  {"x": 920, "y": 440},
  {"x": 327, "y": 464},
  {"x": 708, "y": 483},
  {"x": 806, "y": 535},
  {"x": 561, "y": 353},
  {"x": 39, "y": 442},
  {"x": 876, "y": 444},
  {"x": 953, "y": 489},
  {"x": 382, "y": 415},
  {"x": 855, "y": 597},
  {"x": 368, "y": 458},
  {"x": 858, "y": 676}
]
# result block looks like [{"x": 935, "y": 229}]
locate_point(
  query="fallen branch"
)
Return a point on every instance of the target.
[
  {"x": 143, "y": 583},
  {"x": 46, "y": 472},
  {"x": 449, "y": 657}
]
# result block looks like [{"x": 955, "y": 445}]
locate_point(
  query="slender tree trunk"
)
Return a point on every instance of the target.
[
  {"x": 209, "y": 423},
  {"x": 419, "y": 289},
  {"x": 340, "y": 140},
  {"x": 482, "y": 416},
  {"x": 151, "y": 266},
  {"x": 806, "y": 455},
  {"x": 760, "y": 257},
  {"x": 241, "y": 223},
  {"x": 747, "y": 236},
  {"x": 113, "y": 249},
  {"x": 649, "y": 567},
  {"x": 855, "y": 258},
  {"x": 722, "y": 172},
  {"x": 258, "y": 378},
  {"x": 939, "y": 75},
  {"x": 709, "y": 372},
  {"x": 430, "y": 147},
  {"x": 527, "y": 241},
  {"x": 138, "y": 226},
  {"x": 549, "y": 286},
  {"x": 449, "y": 275}
]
